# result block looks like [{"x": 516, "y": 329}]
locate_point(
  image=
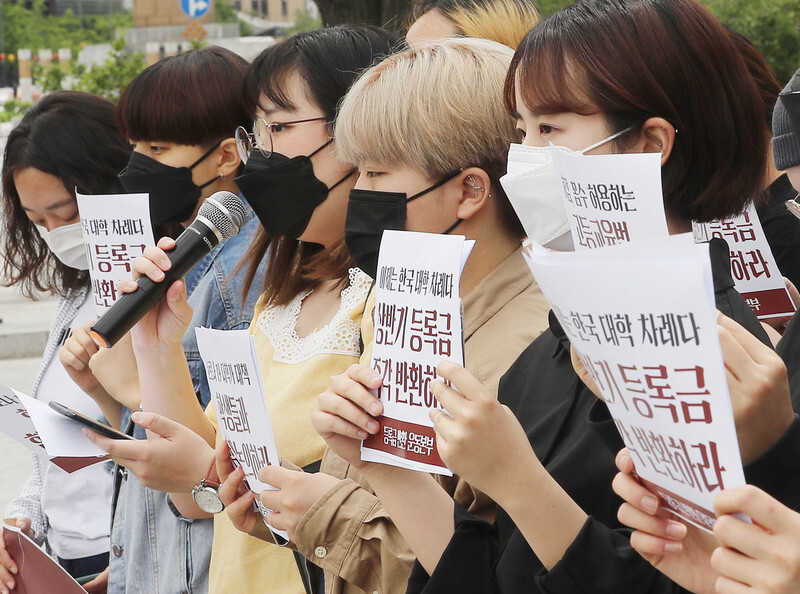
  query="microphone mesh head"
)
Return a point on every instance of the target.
[{"x": 225, "y": 211}]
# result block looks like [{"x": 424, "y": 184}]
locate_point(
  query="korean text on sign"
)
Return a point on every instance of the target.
[
  {"x": 116, "y": 229},
  {"x": 654, "y": 354},
  {"x": 753, "y": 268},
  {"x": 238, "y": 398},
  {"x": 611, "y": 199},
  {"x": 417, "y": 326}
]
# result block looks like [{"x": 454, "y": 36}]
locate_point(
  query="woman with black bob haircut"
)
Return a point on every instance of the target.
[
  {"x": 627, "y": 76},
  {"x": 67, "y": 141},
  {"x": 180, "y": 115},
  {"x": 306, "y": 325}
]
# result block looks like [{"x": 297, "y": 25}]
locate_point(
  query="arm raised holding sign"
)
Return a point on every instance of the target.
[{"x": 165, "y": 382}]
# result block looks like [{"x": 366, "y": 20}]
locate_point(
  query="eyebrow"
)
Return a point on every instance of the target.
[{"x": 55, "y": 206}]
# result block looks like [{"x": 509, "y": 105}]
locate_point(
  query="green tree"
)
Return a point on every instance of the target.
[
  {"x": 110, "y": 78},
  {"x": 770, "y": 24},
  {"x": 34, "y": 29},
  {"x": 303, "y": 21}
]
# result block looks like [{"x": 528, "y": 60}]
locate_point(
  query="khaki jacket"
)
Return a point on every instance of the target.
[{"x": 347, "y": 532}]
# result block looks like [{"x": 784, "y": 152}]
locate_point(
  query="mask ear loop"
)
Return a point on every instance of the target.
[
  {"x": 348, "y": 174},
  {"x": 438, "y": 184},
  {"x": 605, "y": 140},
  {"x": 320, "y": 148},
  {"x": 206, "y": 154}
]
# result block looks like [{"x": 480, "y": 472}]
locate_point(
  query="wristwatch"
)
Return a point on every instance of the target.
[{"x": 206, "y": 492}]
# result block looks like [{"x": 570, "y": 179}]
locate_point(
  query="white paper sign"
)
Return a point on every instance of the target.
[
  {"x": 418, "y": 324},
  {"x": 60, "y": 435},
  {"x": 116, "y": 229},
  {"x": 45, "y": 432},
  {"x": 612, "y": 199},
  {"x": 235, "y": 382},
  {"x": 753, "y": 267},
  {"x": 642, "y": 318}
]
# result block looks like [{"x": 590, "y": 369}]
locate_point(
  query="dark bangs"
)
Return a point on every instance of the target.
[
  {"x": 193, "y": 98},
  {"x": 548, "y": 82},
  {"x": 328, "y": 60},
  {"x": 267, "y": 75}
]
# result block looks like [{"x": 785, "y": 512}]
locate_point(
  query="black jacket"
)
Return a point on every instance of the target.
[{"x": 574, "y": 437}]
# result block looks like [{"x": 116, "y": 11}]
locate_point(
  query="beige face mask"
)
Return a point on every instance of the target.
[{"x": 66, "y": 243}]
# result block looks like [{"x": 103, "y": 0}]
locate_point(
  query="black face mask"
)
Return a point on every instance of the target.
[
  {"x": 283, "y": 192},
  {"x": 173, "y": 194},
  {"x": 370, "y": 213}
]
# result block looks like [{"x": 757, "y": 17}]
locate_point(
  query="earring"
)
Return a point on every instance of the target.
[
  {"x": 659, "y": 144},
  {"x": 475, "y": 186},
  {"x": 223, "y": 177}
]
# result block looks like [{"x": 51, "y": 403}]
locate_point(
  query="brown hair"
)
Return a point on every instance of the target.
[
  {"x": 194, "y": 98},
  {"x": 636, "y": 59},
  {"x": 328, "y": 60},
  {"x": 71, "y": 136}
]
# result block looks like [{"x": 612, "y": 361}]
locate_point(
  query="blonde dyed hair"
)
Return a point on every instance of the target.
[
  {"x": 436, "y": 108},
  {"x": 504, "y": 21}
]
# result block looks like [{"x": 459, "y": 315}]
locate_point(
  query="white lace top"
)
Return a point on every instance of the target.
[{"x": 340, "y": 336}]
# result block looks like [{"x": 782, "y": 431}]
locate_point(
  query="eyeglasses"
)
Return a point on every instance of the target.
[{"x": 261, "y": 136}]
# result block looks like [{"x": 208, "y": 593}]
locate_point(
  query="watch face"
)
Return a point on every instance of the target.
[{"x": 207, "y": 499}]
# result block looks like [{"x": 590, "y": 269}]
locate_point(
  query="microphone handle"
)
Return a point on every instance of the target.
[{"x": 191, "y": 247}]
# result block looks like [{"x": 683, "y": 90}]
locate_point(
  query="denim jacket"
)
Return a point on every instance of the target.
[{"x": 154, "y": 550}]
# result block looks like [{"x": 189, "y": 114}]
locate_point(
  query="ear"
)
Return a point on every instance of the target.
[
  {"x": 228, "y": 159},
  {"x": 475, "y": 187},
  {"x": 656, "y": 136}
]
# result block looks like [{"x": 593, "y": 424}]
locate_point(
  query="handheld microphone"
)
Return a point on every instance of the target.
[{"x": 220, "y": 217}]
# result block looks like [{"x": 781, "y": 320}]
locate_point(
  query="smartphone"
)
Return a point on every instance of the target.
[{"x": 88, "y": 421}]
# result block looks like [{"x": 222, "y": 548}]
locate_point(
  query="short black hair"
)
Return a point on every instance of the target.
[
  {"x": 328, "y": 60},
  {"x": 194, "y": 98}
]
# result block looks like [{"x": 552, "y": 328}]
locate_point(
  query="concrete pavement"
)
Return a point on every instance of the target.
[{"x": 24, "y": 327}]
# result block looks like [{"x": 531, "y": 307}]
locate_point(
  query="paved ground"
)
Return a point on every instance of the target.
[
  {"x": 23, "y": 333},
  {"x": 15, "y": 460},
  {"x": 24, "y": 327}
]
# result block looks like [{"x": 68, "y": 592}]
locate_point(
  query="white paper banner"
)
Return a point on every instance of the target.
[
  {"x": 418, "y": 324},
  {"x": 116, "y": 228},
  {"x": 611, "y": 199},
  {"x": 642, "y": 318},
  {"x": 753, "y": 267},
  {"x": 238, "y": 394}
]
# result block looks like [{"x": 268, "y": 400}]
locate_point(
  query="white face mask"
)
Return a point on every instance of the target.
[
  {"x": 534, "y": 190},
  {"x": 66, "y": 243}
]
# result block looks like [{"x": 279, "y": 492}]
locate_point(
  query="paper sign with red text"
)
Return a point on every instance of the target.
[
  {"x": 418, "y": 324},
  {"x": 17, "y": 422},
  {"x": 234, "y": 379},
  {"x": 753, "y": 267},
  {"x": 611, "y": 199},
  {"x": 116, "y": 229},
  {"x": 642, "y": 318}
]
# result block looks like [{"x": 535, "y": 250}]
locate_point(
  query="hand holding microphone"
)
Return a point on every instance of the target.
[{"x": 220, "y": 217}]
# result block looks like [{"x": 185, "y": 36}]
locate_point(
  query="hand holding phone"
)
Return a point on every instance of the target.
[{"x": 88, "y": 421}]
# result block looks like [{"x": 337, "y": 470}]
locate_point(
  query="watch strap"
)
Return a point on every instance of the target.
[{"x": 212, "y": 478}]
